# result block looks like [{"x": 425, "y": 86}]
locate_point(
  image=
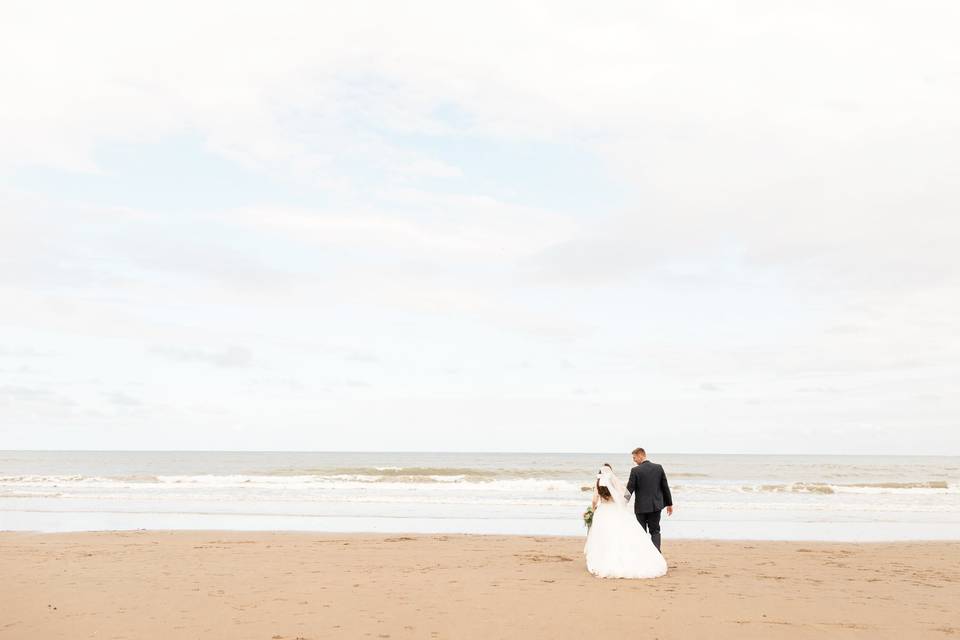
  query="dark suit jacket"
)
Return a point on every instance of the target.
[{"x": 648, "y": 483}]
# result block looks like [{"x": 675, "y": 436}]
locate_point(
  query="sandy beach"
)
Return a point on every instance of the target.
[{"x": 288, "y": 586}]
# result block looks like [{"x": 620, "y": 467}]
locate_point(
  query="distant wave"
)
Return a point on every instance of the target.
[
  {"x": 796, "y": 487},
  {"x": 824, "y": 488},
  {"x": 470, "y": 474},
  {"x": 68, "y": 479},
  {"x": 932, "y": 484},
  {"x": 381, "y": 472},
  {"x": 137, "y": 478},
  {"x": 303, "y": 483}
]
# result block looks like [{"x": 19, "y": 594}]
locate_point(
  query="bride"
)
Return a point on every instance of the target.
[{"x": 617, "y": 546}]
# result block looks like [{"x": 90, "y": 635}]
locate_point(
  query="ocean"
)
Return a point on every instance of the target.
[{"x": 756, "y": 497}]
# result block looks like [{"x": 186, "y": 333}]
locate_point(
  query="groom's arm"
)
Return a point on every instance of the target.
[
  {"x": 665, "y": 489},
  {"x": 631, "y": 484}
]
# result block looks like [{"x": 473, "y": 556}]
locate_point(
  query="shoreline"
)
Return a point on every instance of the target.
[
  {"x": 286, "y": 585},
  {"x": 419, "y": 534}
]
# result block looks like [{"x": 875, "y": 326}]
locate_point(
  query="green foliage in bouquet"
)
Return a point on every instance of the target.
[{"x": 588, "y": 517}]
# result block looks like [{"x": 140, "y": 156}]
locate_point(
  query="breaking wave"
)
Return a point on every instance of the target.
[{"x": 855, "y": 487}]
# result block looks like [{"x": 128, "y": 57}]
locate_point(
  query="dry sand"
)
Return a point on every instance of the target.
[{"x": 283, "y": 586}]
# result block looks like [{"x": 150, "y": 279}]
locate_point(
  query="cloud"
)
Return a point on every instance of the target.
[
  {"x": 32, "y": 401},
  {"x": 418, "y": 223},
  {"x": 22, "y": 352},
  {"x": 329, "y": 88},
  {"x": 121, "y": 399},
  {"x": 819, "y": 390},
  {"x": 26, "y": 394},
  {"x": 228, "y": 357},
  {"x": 362, "y": 357},
  {"x": 375, "y": 201},
  {"x": 813, "y": 176}
]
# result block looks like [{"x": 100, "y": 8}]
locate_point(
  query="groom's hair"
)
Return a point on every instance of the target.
[{"x": 640, "y": 451}]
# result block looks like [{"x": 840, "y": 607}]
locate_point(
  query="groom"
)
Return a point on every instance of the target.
[{"x": 648, "y": 483}]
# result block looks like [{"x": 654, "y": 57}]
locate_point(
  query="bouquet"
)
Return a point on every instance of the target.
[{"x": 588, "y": 516}]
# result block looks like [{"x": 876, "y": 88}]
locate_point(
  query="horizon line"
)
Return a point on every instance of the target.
[{"x": 346, "y": 451}]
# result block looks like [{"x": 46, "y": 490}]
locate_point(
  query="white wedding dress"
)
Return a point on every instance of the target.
[{"x": 617, "y": 546}]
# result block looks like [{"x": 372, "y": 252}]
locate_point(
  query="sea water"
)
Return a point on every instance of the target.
[{"x": 770, "y": 497}]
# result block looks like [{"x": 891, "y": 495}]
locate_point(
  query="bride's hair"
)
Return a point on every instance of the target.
[{"x": 603, "y": 491}]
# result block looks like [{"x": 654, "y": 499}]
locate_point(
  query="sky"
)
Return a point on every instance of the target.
[{"x": 697, "y": 227}]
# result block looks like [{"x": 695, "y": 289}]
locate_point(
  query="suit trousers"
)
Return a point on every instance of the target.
[{"x": 651, "y": 523}]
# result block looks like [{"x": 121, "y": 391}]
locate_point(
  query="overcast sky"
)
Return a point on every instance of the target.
[{"x": 699, "y": 226}]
